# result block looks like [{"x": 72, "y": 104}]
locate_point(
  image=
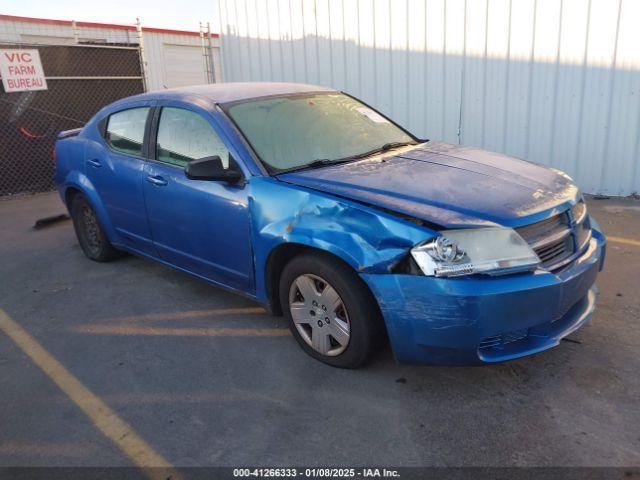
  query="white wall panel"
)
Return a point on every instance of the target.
[
  {"x": 434, "y": 125},
  {"x": 553, "y": 81},
  {"x": 183, "y": 65},
  {"x": 544, "y": 81}
]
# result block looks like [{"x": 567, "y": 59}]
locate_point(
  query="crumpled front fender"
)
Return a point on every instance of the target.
[{"x": 369, "y": 240}]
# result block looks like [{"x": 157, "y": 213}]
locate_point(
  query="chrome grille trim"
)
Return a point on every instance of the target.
[
  {"x": 578, "y": 212},
  {"x": 552, "y": 238},
  {"x": 537, "y": 231},
  {"x": 583, "y": 234},
  {"x": 556, "y": 252},
  {"x": 559, "y": 239}
]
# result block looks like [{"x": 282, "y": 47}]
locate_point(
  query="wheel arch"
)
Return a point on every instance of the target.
[
  {"x": 282, "y": 254},
  {"x": 69, "y": 194},
  {"x": 77, "y": 183}
]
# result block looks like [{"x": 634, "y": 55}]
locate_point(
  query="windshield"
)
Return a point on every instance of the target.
[{"x": 296, "y": 131}]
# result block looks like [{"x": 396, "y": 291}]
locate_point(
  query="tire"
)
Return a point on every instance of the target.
[
  {"x": 90, "y": 233},
  {"x": 339, "y": 322}
]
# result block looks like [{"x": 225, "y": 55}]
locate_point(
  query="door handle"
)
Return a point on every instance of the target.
[
  {"x": 157, "y": 180},
  {"x": 95, "y": 163}
]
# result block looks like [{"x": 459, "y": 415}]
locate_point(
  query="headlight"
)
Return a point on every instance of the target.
[{"x": 479, "y": 250}]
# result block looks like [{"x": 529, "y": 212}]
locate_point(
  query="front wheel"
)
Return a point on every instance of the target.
[{"x": 331, "y": 312}]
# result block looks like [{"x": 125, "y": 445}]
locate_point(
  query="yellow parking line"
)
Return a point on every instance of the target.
[
  {"x": 625, "y": 241},
  {"x": 105, "y": 419},
  {"x": 181, "y": 332},
  {"x": 180, "y": 315}
]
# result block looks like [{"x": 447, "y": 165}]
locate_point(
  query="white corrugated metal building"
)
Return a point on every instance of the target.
[
  {"x": 172, "y": 57},
  {"x": 553, "y": 81}
]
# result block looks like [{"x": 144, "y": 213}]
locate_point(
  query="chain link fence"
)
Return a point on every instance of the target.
[
  {"x": 85, "y": 69},
  {"x": 81, "y": 79},
  {"x": 87, "y": 66}
]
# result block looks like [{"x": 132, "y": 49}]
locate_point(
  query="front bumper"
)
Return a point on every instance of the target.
[{"x": 483, "y": 319}]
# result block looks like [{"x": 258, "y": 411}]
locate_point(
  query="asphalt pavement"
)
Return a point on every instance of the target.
[{"x": 153, "y": 348}]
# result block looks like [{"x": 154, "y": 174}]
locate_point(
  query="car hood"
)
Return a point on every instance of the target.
[{"x": 447, "y": 185}]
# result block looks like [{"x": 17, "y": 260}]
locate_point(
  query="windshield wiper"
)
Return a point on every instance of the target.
[
  {"x": 390, "y": 145},
  {"x": 384, "y": 148},
  {"x": 323, "y": 162},
  {"x": 320, "y": 162}
]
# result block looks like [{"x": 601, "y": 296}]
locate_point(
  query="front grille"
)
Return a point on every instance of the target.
[
  {"x": 538, "y": 231},
  {"x": 551, "y": 239},
  {"x": 555, "y": 252},
  {"x": 555, "y": 240}
]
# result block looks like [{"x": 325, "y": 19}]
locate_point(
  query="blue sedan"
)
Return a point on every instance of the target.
[{"x": 323, "y": 209}]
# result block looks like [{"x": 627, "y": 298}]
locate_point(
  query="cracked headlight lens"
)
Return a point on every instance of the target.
[{"x": 490, "y": 250}]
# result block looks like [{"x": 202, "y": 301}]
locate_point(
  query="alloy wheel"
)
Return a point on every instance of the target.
[{"x": 319, "y": 315}]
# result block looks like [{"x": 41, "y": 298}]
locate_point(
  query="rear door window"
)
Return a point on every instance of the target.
[{"x": 125, "y": 130}]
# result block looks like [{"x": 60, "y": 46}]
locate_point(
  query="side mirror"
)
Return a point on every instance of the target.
[{"x": 210, "y": 168}]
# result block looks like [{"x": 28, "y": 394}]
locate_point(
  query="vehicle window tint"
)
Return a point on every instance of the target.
[
  {"x": 125, "y": 130},
  {"x": 184, "y": 135}
]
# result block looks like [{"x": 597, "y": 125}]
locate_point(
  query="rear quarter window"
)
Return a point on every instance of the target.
[{"x": 125, "y": 130}]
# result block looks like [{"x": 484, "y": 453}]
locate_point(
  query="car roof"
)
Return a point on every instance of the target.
[{"x": 232, "y": 91}]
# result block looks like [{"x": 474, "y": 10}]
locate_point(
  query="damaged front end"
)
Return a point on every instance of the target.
[
  {"x": 370, "y": 240},
  {"x": 480, "y": 295}
]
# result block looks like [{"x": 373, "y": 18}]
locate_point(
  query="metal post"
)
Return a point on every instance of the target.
[
  {"x": 76, "y": 34},
  {"x": 210, "y": 45},
  {"x": 205, "y": 54},
  {"x": 143, "y": 63}
]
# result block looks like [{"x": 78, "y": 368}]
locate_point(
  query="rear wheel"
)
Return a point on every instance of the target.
[
  {"x": 331, "y": 312},
  {"x": 91, "y": 235}
]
